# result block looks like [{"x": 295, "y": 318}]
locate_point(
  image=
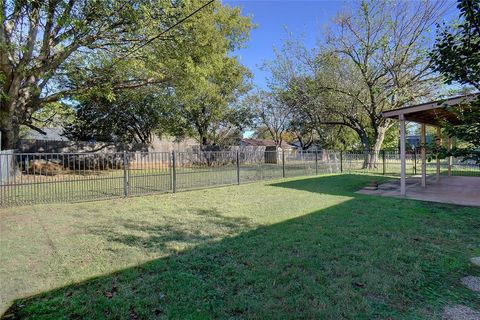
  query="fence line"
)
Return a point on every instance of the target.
[{"x": 29, "y": 178}]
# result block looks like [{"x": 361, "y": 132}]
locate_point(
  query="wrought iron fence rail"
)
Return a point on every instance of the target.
[{"x": 29, "y": 178}]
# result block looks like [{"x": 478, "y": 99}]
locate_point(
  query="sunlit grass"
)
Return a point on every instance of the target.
[{"x": 305, "y": 248}]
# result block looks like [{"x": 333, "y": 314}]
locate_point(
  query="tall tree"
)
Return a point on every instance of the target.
[
  {"x": 59, "y": 49},
  {"x": 456, "y": 56},
  {"x": 374, "y": 58},
  {"x": 382, "y": 45},
  {"x": 204, "y": 80},
  {"x": 271, "y": 113},
  {"x": 37, "y": 38},
  {"x": 207, "y": 104},
  {"x": 132, "y": 116}
]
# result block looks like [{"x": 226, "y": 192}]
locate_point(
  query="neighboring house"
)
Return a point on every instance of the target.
[
  {"x": 268, "y": 144},
  {"x": 53, "y": 141},
  {"x": 170, "y": 144},
  {"x": 51, "y": 134}
]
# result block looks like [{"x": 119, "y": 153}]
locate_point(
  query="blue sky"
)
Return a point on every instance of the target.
[{"x": 274, "y": 18}]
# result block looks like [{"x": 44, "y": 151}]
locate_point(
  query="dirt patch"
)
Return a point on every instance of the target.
[{"x": 460, "y": 313}]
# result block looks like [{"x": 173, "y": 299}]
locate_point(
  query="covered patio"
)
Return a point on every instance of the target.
[{"x": 447, "y": 189}]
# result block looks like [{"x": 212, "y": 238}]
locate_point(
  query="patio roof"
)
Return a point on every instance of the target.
[{"x": 433, "y": 112}]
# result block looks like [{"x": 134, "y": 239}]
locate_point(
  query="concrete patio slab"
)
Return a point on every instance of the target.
[
  {"x": 460, "y": 312},
  {"x": 455, "y": 190},
  {"x": 476, "y": 261},
  {"x": 472, "y": 283}
]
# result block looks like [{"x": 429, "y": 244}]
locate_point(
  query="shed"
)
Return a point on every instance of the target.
[{"x": 272, "y": 152}]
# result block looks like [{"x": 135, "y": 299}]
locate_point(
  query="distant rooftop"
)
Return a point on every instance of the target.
[
  {"x": 263, "y": 143},
  {"x": 51, "y": 134}
]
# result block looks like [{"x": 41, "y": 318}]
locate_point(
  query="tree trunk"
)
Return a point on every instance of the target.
[
  {"x": 366, "y": 148},
  {"x": 379, "y": 137},
  {"x": 10, "y": 131},
  {"x": 16, "y": 107},
  {"x": 205, "y": 148}
]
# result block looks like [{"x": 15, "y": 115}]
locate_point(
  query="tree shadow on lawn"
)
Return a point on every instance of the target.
[
  {"x": 364, "y": 258},
  {"x": 159, "y": 237},
  {"x": 342, "y": 184}
]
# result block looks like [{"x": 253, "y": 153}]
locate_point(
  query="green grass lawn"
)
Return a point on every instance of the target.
[{"x": 294, "y": 248}]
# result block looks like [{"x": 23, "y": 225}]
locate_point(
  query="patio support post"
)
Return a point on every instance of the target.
[
  {"x": 439, "y": 143},
  {"x": 383, "y": 163},
  {"x": 341, "y": 161},
  {"x": 450, "y": 158},
  {"x": 423, "y": 136},
  {"x": 403, "y": 179}
]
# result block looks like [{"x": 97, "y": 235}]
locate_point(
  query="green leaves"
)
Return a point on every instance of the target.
[
  {"x": 98, "y": 48},
  {"x": 457, "y": 49},
  {"x": 130, "y": 116},
  {"x": 457, "y": 57},
  {"x": 206, "y": 99},
  {"x": 188, "y": 77}
]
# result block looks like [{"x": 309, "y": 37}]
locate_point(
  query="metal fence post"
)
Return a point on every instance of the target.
[
  {"x": 316, "y": 161},
  {"x": 383, "y": 162},
  {"x": 341, "y": 161},
  {"x": 238, "y": 168},
  {"x": 283, "y": 163},
  {"x": 126, "y": 173},
  {"x": 414, "y": 161},
  {"x": 174, "y": 172}
]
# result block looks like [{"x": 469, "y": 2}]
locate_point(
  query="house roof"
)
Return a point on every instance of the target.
[
  {"x": 263, "y": 143},
  {"x": 434, "y": 111},
  {"x": 51, "y": 134}
]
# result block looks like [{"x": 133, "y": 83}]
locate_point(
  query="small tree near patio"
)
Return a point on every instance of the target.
[
  {"x": 374, "y": 58},
  {"x": 457, "y": 57}
]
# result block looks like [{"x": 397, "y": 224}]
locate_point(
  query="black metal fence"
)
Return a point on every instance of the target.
[{"x": 29, "y": 178}]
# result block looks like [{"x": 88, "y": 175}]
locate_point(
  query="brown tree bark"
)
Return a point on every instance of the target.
[
  {"x": 379, "y": 137},
  {"x": 10, "y": 133}
]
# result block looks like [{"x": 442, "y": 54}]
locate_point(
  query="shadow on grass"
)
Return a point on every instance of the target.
[
  {"x": 365, "y": 258},
  {"x": 144, "y": 235},
  {"x": 344, "y": 184}
]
